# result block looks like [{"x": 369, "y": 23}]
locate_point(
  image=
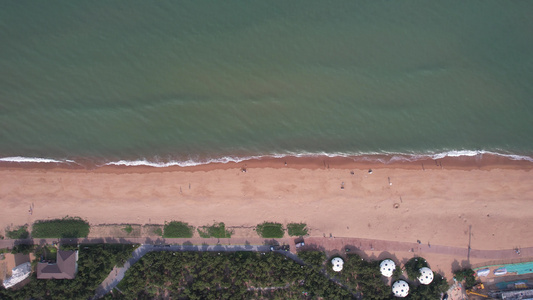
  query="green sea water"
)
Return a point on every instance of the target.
[{"x": 198, "y": 80}]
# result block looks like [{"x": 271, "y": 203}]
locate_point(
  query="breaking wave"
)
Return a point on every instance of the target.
[{"x": 383, "y": 157}]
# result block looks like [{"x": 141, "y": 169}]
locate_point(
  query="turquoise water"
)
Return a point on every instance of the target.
[{"x": 136, "y": 80}]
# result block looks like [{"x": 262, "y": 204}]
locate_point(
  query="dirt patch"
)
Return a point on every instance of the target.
[
  {"x": 242, "y": 231},
  {"x": 152, "y": 230},
  {"x": 116, "y": 230}
]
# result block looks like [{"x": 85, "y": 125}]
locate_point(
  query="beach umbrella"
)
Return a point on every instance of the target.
[
  {"x": 400, "y": 288},
  {"x": 387, "y": 267},
  {"x": 426, "y": 275},
  {"x": 337, "y": 263}
]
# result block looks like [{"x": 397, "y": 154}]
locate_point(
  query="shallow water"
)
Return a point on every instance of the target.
[{"x": 199, "y": 80}]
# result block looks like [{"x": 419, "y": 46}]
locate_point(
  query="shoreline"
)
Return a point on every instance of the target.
[{"x": 479, "y": 161}]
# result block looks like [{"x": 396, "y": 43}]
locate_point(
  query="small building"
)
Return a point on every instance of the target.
[
  {"x": 400, "y": 288},
  {"x": 65, "y": 266},
  {"x": 18, "y": 274},
  {"x": 426, "y": 275},
  {"x": 337, "y": 263},
  {"x": 387, "y": 267}
]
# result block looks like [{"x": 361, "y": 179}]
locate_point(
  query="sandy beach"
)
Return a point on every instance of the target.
[{"x": 436, "y": 202}]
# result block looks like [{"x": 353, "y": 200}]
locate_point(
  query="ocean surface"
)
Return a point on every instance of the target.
[{"x": 185, "y": 82}]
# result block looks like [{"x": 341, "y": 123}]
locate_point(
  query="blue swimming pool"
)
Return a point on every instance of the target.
[{"x": 522, "y": 268}]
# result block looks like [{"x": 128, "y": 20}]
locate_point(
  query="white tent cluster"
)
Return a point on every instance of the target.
[
  {"x": 400, "y": 288},
  {"x": 426, "y": 275},
  {"x": 387, "y": 267},
  {"x": 337, "y": 263},
  {"x": 18, "y": 274}
]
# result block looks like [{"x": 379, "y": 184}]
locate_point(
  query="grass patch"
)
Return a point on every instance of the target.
[
  {"x": 297, "y": 229},
  {"x": 19, "y": 233},
  {"x": 217, "y": 230},
  {"x": 158, "y": 231},
  {"x": 177, "y": 229},
  {"x": 128, "y": 229},
  {"x": 50, "y": 253},
  {"x": 67, "y": 227},
  {"x": 270, "y": 230}
]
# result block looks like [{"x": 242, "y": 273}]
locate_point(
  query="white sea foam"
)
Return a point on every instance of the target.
[
  {"x": 21, "y": 159},
  {"x": 383, "y": 157}
]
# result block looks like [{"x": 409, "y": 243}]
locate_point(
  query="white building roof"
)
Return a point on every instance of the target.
[
  {"x": 400, "y": 288},
  {"x": 18, "y": 274},
  {"x": 337, "y": 263},
  {"x": 426, "y": 275},
  {"x": 387, "y": 267}
]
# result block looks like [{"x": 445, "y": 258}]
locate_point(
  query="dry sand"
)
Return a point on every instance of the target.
[{"x": 436, "y": 203}]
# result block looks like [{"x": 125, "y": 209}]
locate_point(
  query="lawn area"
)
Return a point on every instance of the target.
[
  {"x": 50, "y": 253},
  {"x": 270, "y": 230},
  {"x": 177, "y": 229},
  {"x": 60, "y": 228},
  {"x": 217, "y": 230},
  {"x": 297, "y": 229},
  {"x": 19, "y": 233}
]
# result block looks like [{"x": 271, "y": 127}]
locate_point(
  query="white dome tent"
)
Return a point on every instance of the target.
[
  {"x": 387, "y": 267},
  {"x": 400, "y": 288},
  {"x": 337, "y": 263},
  {"x": 426, "y": 275}
]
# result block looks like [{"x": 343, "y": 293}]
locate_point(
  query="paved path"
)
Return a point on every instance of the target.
[{"x": 328, "y": 244}]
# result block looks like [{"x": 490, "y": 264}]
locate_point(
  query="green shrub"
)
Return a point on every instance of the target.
[
  {"x": 397, "y": 273},
  {"x": 314, "y": 258},
  {"x": 60, "y": 228},
  {"x": 468, "y": 275},
  {"x": 270, "y": 230},
  {"x": 18, "y": 234},
  {"x": 176, "y": 229},
  {"x": 217, "y": 230},
  {"x": 23, "y": 248},
  {"x": 128, "y": 229},
  {"x": 297, "y": 229},
  {"x": 158, "y": 231},
  {"x": 413, "y": 266}
]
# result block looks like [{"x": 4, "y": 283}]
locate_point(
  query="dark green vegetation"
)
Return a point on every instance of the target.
[
  {"x": 177, "y": 229},
  {"x": 128, "y": 229},
  {"x": 468, "y": 275},
  {"x": 431, "y": 291},
  {"x": 49, "y": 253},
  {"x": 60, "y": 228},
  {"x": 297, "y": 229},
  {"x": 413, "y": 266},
  {"x": 238, "y": 275},
  {"x": 365, "y": 277},
  {"x": 94, "y": 264},
  {"x": 217, "y": 230},
  {"x": 23, "y": 248},
  {"x": 270, "y": 230},
  {"x": 19, "y": 233}
]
